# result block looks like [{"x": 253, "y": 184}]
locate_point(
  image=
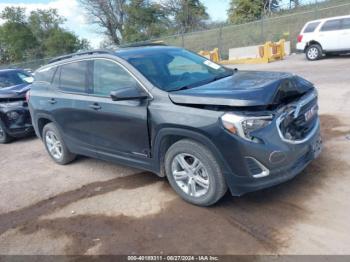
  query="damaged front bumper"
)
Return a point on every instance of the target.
[{"x": 286, "y": 147}]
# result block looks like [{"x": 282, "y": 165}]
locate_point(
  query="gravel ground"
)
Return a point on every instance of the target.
[{"x": 93, "y": 207}]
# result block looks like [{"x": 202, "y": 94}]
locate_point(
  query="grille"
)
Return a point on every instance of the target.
[{"x": 298, "y": 128}]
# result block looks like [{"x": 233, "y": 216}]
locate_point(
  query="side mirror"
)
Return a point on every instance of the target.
[{"x": 128, "y": 93}]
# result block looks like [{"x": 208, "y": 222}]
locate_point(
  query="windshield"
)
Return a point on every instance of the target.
[
  {"x": 12, "y": 78},
  {"x": 172, "y": 70}
]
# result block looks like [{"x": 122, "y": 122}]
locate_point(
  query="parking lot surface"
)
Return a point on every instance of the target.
[{"x": 94, "y": 207}]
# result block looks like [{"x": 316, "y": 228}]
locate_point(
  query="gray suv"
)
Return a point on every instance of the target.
[{"x": 205, "y": 127}]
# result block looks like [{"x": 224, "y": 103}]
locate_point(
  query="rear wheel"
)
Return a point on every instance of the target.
[
  {"x": 194, "y": 173},
  {"x": 314, "y": 52},
  {"x": 55, "y": 145},
  {"x": 4, "y": 137}
]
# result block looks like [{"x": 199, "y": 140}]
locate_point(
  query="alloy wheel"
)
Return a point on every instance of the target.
[
  {"x": 54, "y": 145},
  {"x": 313, "y": 53},
  {"x": 190, "y": 175}
]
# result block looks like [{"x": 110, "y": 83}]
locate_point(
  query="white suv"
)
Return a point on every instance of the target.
[{"x": 325, "y": 36}]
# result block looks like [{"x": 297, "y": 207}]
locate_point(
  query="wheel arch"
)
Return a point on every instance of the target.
[
  {"x": 168, "y": 136},
  {"x": 42, "y": 120},
  {"x": 312, "y": 42}
]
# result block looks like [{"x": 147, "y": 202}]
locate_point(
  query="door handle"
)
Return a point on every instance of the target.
[
  {"x": 52, "y": 101},
  {"x": 95, "y": 106}
]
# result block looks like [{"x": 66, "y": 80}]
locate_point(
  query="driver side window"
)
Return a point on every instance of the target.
[{"x": 109, "y": 76}]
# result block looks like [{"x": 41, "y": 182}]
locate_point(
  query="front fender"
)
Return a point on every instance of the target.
[{"x": 185, "y": 134}]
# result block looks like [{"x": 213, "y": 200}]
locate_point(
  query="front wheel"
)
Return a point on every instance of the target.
[
  {"x": 194, "y": 173},
  {"x": 314, "y": 52}
]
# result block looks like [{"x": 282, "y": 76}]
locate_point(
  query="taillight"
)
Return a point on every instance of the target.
[
  {"x": 300, "y": 38},
  {"x": 27, "y": 96}
]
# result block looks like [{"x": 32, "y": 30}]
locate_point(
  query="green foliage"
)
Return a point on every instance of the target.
[
  {"x": 60, "y": 42},
  {"x": 144, "y": 21},
  {"x": 16, "y": 42},
  {"x": 39, "y": 35},
  {"x": 243, "y": 11},
  {"x": 14, "y": 14},
  {"x": 188, "y": 15}
]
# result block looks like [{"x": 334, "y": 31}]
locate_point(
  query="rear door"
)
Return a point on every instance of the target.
[
  {"x": 344, "y": 35},
  {"x": 69, "y": 105},
  {"x": 328, "y": 35},
  {"x": 118, "y": 127}
]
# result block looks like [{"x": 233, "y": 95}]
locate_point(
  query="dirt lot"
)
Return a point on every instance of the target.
[{"x": 93, "y": 207}]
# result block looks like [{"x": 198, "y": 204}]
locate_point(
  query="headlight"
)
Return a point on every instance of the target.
[{"x": 243, "y": 126}]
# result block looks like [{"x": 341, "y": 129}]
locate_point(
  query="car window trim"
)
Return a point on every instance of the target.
[{"x": 108, "y": 59}]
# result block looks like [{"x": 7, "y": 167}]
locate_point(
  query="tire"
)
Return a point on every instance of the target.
[
  {"x": 55, "y": 145},
  {"x": 4, "y": 137},
  {"x": 209, "y": 182},
  {"x": 314, "y": 52}
]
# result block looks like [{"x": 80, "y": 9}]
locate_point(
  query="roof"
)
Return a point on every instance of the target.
[
  {"x": 328, "y": 18},
  {"x": 125, "y": 52}
]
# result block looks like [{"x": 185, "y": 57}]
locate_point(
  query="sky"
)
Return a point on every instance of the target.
[{"x": 78, "y": 23}]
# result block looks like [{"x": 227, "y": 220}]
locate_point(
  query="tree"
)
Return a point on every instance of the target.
[
  {"x": 16, "y": 39},
  {"x": 60, "y": 42},
  {"x": 271, "y": 6},
  {"x": 42, "y": 21},
  {"x": 14, "y": 15},
  {"x": 109, "y": 15},
  {"x": 295, "y": 2},
  {"x": 188, "y": 15},
  {"x": 242, "y": 11},
  {"x": 36, "y": 36},
  {"x": 144, "y": 21}
]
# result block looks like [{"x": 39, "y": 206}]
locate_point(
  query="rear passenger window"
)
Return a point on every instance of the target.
[
  {"x": 331, "y": 25},
  {"x": 108, "y": 77},
  {"x": 346, "y": 23},
  {"x": 73, "y": 77},
  {"x": 311, "y": 27}
]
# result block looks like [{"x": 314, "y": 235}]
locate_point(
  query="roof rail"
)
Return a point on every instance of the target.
[{"x": 90, "y": 52}]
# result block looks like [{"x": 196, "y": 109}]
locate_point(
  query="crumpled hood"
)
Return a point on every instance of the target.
[
  {"x": 13, "y": 92},
  {"x": 245, "y": 88}
]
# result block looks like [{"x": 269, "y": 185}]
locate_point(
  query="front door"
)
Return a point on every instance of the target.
[{"x": 119, "y": 128}]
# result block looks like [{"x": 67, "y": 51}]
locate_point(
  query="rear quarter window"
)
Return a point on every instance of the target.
[
  {"x": 310, "y": 28},
  {"x": 73, "y": 77},
  {"x": 45, "y": 75}
]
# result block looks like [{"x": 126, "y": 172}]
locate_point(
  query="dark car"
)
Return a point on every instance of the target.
[
  {"x": 15, "y": 120},
  {"x": 172, "y": 112}
]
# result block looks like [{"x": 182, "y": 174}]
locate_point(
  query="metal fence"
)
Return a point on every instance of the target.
[
  {"x": 271, "y": 28},
  {"x": 286, "y": 26}
]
